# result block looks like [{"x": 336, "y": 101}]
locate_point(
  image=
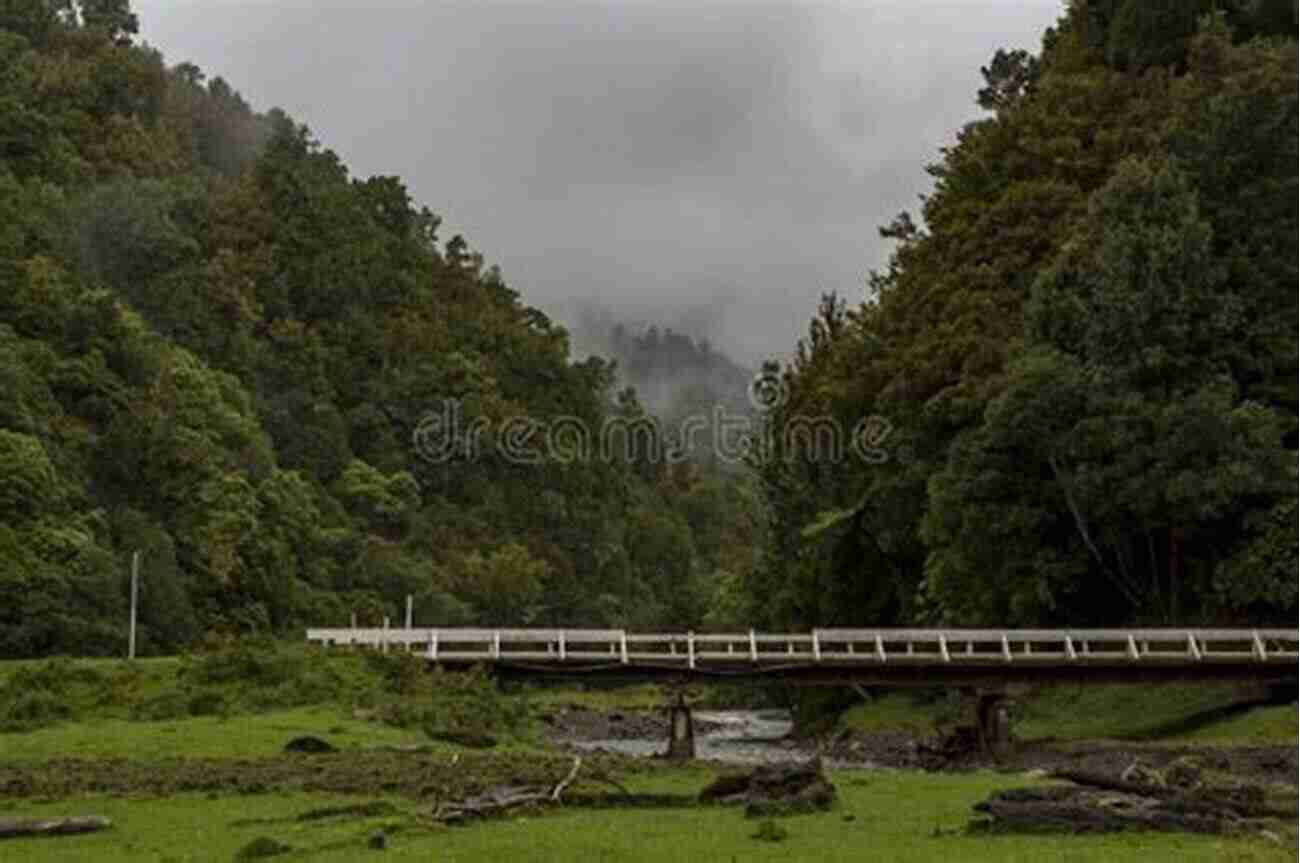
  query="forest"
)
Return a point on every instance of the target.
[{"x": 216, "y": 345}]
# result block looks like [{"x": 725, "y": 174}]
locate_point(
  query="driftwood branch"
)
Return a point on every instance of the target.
[
  {"x": 13, "y": 827},
  {"x": 1141, "y": 797},
  {"x": 1248, "y": 801},
  {"x": 502, "y": 799},
  {"x": 566, "y": 781}
]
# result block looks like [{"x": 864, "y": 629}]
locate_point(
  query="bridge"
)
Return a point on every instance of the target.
[
  {"x": 960, "y": 657},
  {"x": 982, "y": 662},
  {"x": 922, "y": 656}
]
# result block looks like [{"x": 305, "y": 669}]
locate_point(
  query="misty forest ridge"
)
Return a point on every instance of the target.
[
  {"x": 1066, "y": 397},
  {"x": 543, "y": 385}
]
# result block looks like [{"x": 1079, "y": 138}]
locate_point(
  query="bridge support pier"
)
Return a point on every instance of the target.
[
  {"x": 993, "y": 721},
  {"x": 681, "y": 732}
]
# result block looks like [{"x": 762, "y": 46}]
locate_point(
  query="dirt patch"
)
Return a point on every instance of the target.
[{"x": 413, "y": 775}]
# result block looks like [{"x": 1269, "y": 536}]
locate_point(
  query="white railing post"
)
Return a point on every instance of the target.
[
  {"x": 1006, "y": 648},
  {"x": 622, "y": 645},
  {"x": 943, "y": 648},
  {"x": 817, "y": 649},
  {"x": 1133, "y": 648},
  {"x": 690, "y": 649},
  {"x": 562, "y": 646},
  {"x": 880, "y": 648},
  {"x": 1258, "y": 647},
  {"x": 753, "y": 647},
  {"x": 1192, "y": 649}
]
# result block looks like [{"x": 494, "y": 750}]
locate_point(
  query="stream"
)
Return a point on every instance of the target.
[{"x": 735, "y": 736}]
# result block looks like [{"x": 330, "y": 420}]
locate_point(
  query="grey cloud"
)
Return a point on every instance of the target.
[{"x": 714, "y": 166}]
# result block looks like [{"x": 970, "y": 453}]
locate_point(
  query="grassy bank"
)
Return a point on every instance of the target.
[
  {"x": 128, "y": 742},
  {"x": 895, "y": 816},
  {"x": 1170, "y": 713}
]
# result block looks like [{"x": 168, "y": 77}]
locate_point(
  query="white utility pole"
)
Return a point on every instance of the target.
[
  {"x": 410, "y": 607},
  {"x": 135, "y": 600}
]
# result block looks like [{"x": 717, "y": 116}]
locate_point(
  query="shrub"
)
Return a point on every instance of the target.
[
  {"x": 208, "y": 702},
  {"x": 247, "y": 661},
  {"x": 31, "y": 709},
  {"x": 172, "y": 704},
  {"x": 471, "y": 703}
]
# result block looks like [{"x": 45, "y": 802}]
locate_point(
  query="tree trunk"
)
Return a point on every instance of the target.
[
  {"x": 11, "y": 827},
  {"x": 1175, "y": 571}
]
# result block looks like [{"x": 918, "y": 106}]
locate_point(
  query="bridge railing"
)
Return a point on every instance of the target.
[{"x": 828, "y": 646}]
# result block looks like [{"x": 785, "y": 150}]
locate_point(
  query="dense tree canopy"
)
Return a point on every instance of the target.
[
  {"x": 216, "y": 347},
  {"x": 1072, "y": 392},
  {"x": 1086, "y": 357}
]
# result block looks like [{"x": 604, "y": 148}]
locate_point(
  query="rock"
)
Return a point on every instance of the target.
[
  {"x": 262, "y": 846},
  {"x": 775, "y": 789},
  {"x": 468, "y": 739},
  {"x": 722, "y": 789},
  {"x": 309, "y": 744}
]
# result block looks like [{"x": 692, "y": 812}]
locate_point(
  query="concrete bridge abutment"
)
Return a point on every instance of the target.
[{"x": 681, "y": 731}]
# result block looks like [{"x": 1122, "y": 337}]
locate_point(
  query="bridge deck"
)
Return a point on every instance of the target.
[{"x": 853, "y": 654}]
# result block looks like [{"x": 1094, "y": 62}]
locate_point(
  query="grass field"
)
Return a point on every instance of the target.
[
  {"x": 896, "y": 817},
  {"x": 1168, "y": 713},
  {"x": 242, "y": 736}
]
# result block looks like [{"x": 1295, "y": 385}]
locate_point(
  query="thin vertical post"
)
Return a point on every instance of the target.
[
  {"x": 135, "y": 601},
  {"x": 410, "y": 609}
]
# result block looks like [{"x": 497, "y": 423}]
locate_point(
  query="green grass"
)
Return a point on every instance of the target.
[
  {"x": 902, "y": 816},
  {"x": 641, "y": 696},
  {"x": 1165, "y": 712},
  {"x": 241, "y": 736},
  {"x": 1172, "y": 713},
  {"x": 896, "y": 818}
]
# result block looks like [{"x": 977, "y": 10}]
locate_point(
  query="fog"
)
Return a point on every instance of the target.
[{"x": 712, "y": 168}]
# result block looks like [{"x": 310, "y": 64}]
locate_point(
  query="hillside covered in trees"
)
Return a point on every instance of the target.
[
  {"x": 220, "y": 348},
  {"x": 1085, "y": 348},
  {"x": 216, "y": 347}
]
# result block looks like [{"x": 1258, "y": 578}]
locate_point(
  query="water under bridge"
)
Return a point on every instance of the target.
[{"x": 984, "y": 663}]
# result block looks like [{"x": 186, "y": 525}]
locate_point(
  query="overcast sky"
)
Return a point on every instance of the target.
[{"x": 711, "y": 166}]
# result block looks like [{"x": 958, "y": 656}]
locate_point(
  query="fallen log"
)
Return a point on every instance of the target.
[
  {"x": 504, "y": 798},
  {"x": 14, "y": 827},
  {"x": 775, "y": 789},
  {"x": 1083, "y": 810},
  {"x": 1244, "y": 800}
]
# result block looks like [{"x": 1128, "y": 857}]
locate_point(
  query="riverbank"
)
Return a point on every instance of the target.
[
  {"x": 200, "y": 787},
  {"x": 899, "y": 816}
]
